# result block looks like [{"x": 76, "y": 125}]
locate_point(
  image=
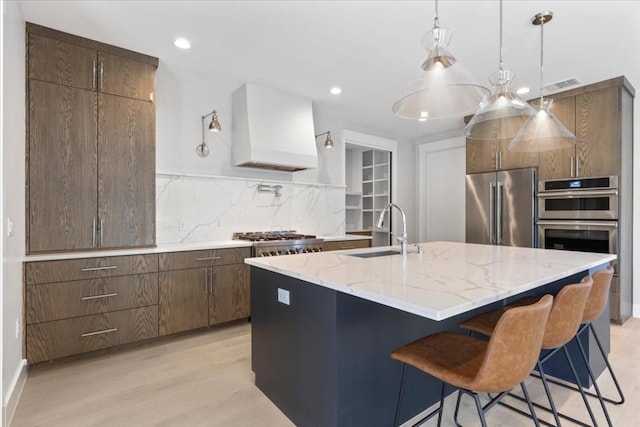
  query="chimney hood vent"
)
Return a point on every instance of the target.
[{"x": 272, "y": 129}]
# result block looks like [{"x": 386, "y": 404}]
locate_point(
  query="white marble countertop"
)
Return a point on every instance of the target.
[
  {"x": 344, "y": 237},
  {"x": 168, "y": 247},
  {"x": 448, "y": 279}
]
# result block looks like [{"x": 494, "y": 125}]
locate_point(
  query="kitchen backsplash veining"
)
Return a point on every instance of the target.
[{"x": 192, "y": 208}]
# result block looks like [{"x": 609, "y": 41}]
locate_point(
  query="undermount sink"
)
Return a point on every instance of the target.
[{"x": 375, "y": 254}]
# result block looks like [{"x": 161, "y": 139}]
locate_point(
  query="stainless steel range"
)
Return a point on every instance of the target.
[{"x": 274, "y": 243}]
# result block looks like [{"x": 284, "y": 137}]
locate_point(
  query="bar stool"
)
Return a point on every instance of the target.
[
  {"x": 596, "y": 303},
  {"x": 473, "y": 365},
  {"x": 564, "y": 321}
]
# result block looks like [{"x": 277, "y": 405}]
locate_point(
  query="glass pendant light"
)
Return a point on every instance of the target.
[
  {"x": 501, "y": 115},
  {"x": 543, "y": 131},
  {"x": 443, "y": 87}
]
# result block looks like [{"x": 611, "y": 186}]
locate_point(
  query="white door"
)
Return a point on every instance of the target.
[{"x": 442, "y": 190}]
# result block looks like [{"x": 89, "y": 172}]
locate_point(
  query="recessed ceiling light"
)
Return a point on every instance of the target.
[
  {"x": 523, "y": 90},
  {"x": 336, "y": 91},
  {"x": 182, "y": 43}
]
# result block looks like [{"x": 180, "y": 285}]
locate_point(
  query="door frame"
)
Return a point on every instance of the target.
[
  {"x": 424, "y": 151},
  {"x": 364, "y": 140}
]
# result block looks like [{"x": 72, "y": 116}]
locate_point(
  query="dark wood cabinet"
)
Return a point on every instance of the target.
[
  {"x": 560, "y": 163},
  {"x": 78, "y": 305},
  {"x": 91, "y": 144},
  {"x": 229, "y": 298},
  {"x": 193, "y": 297},
  {"x": 126, "y": 172},
  {"x": 184, "y": 300},
  {"x": 338, "y": 245},
  {"x": 62, "y": 165}
]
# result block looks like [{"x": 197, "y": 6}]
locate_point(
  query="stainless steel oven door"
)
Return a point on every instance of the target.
[
  {"x": 585, "y": 236},
  {"x": 578, "y": 204}
]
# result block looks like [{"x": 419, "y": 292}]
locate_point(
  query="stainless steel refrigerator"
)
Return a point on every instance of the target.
[{"x": 501, "y": 208}]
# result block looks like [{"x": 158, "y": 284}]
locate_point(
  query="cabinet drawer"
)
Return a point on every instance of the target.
[
  {"x": 89, "y": 268},
  {"x": 206, "y": 258},
  {"x": 55, "y": 301},
  {"x": 46, "y": 341},
  {"x": 346, "y": 244}
]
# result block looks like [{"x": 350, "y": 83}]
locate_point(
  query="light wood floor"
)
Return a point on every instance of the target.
[{"x": 205, "y": 379}]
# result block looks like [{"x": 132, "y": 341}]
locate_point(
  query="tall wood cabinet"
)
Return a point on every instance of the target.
[{"x": 90, "y": 144}]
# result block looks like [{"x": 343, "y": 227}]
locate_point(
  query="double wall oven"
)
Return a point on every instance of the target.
[{"x": 580, "y": 215}]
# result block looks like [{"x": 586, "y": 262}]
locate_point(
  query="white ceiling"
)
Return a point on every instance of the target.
[{"x": 369, "y": 48}]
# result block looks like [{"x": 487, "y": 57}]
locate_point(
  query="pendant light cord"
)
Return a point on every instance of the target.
[
  {"x": 436, "y": 21},
  {"x": 541, "y": 59},
  {"x": 501, "y": 49}
]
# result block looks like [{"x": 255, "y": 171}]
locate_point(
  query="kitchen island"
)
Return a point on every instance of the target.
[{"x": 324, "y": 324}]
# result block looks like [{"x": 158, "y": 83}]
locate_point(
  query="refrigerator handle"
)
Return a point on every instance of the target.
[
  {"x": 499, "y": 187},
  {"x": 492, "y": 189}
]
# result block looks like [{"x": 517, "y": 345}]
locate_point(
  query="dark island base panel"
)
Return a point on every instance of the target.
[{"x": 324, "y": 359}]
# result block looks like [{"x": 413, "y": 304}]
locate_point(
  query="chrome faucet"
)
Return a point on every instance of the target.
[{"x": 403, "y": 237}]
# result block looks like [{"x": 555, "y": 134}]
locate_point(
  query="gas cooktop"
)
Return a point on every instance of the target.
[{"x": 264, "y": 236}]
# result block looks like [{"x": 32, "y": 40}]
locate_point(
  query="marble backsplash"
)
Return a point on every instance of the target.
[{"x": 191, "y": 208}]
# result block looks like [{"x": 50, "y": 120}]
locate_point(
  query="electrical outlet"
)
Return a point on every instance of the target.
[
  {"x": 9, "y": 227},
  {"x": 181, "y": 225},
  {"x": 17, "y": 328},
  {"x": 283, "y": 296}
]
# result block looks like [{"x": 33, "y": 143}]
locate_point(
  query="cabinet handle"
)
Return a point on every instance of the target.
[
  {"x": 93, "y": 238},
  {"x": 93, "y": 76},
  {"x": 206, "y": 281},
  {"x": 211, "y": 282},
  {"x": 577, "y": 166},
  {"x": 500, "y": 159},
  {"x": 110, "y": 267},
  {"x": 208, "y": 258},
  {"x": 105, "y": 331},
  {"x": 571, "y": 161},
  {"x": 101, "y": 75},
  {"x": 99, "y": 296},
  {"x": 101, "y": 227}
]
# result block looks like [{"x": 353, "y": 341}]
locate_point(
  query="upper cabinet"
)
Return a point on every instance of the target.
[
  {"x": 90, "y": 144},
  {"x": 593, "y": 113}
]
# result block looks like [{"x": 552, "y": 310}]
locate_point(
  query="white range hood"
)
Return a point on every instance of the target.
[{"x": 272, "y": 130}]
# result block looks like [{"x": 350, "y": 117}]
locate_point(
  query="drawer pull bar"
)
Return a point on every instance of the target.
[
  {"x": 208, "y": 258},
  {"x": 106, "y": 331},
  {"x": 348, "y": 247},
  {"x": 111, "y": 267},
  {"x": 99, "y": 296}
]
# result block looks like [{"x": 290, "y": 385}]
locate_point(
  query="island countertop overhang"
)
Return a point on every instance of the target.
[{"x": 448, "y": 279}]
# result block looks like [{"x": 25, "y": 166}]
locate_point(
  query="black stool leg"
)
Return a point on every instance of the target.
[
  {"x": 533, "y": 412},
  {"x": 543, "y": 378},
  {"x": 606, "y": 361},
  {"x": 404, "y": 374},
  {"x": 441, "y": 404},
  {"x": 476, "y": 398},
  {"x": 575, "y": 376},
  {"x": 595, "y": 384}
]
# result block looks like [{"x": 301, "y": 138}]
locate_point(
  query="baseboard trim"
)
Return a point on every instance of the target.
[
  {"x": 14, "y": 392},
  {"x": 636, "y": 310}
]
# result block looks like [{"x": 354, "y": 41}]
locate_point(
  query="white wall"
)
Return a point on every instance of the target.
[{"x": 13, "y": 175}]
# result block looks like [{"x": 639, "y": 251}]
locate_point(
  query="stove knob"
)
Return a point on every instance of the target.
[
  {"x": 282, "y": 252},
  {"x": 261, "y": 254},
  {"x": 320, "y": 249},
  {"x": 274, "y": 253}
]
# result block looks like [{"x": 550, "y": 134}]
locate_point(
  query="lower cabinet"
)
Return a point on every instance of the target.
[
  {"x": 337, "y": 245},
  {"x": 197, "y": 297},
  {"x": 51, "y": 340},
  {"x": 78, "y": 305}
]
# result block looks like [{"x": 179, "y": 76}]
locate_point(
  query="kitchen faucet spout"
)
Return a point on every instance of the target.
[{"x": 403, "y": 237}]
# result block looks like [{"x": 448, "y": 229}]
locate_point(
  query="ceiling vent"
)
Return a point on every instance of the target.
[{"x": 564, "y": 84}]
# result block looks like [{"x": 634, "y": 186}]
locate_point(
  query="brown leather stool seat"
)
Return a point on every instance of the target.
[
  {"x": 473, "y": 365},
  {"x": 564, "y": 321}
]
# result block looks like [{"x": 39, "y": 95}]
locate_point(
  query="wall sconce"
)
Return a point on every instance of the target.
[
  {"x": 328, "y": 143},
  {"x": 214, "y": 126}
]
